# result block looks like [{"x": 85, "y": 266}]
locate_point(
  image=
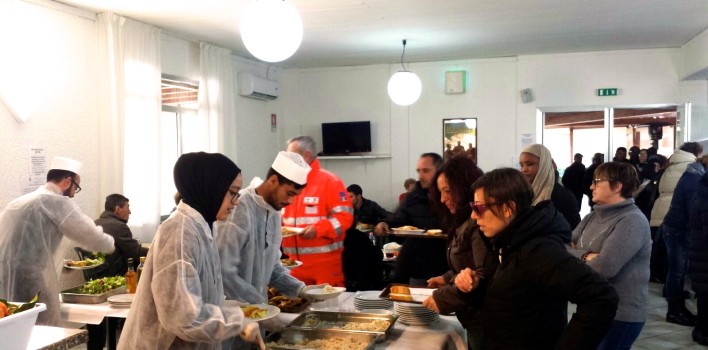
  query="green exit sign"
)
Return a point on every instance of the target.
[{"x": 607, "y": 92}]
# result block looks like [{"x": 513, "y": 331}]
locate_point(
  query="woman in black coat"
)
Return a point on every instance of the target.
[
  {"x": 525, "y": 306},
  {"x": 698, "y": 259}
]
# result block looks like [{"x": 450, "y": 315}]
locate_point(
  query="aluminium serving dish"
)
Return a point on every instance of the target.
[
  {"x": 72, "y": 296},
  {"x": 331, "y": 320},
  {"x": 296, "y": 338}
]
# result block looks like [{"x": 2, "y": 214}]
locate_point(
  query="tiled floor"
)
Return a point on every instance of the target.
[{"x": 657, "y": 333}]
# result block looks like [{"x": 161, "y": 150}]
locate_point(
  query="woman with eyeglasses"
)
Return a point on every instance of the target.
[
  {"x": 615, "y": 240},
  {"x": 452, "y": 190},
  {"x": 180, "y": 299},
  {"x": 526, "y": 300}
]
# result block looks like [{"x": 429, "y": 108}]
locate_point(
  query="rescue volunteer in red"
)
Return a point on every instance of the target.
[{"x": 325, "y": 210}]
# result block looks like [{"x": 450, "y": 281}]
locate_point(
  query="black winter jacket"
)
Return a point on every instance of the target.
[
  {"x": 565, "y": 202},
  {"x": 698, "y": 222},
  {"x": 525, "y": 306},
  {"x": 126, "y": 245}
]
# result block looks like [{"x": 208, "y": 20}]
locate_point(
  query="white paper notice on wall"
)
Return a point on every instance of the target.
[
  {"x": 526, "y": 140},
  {"x": 37, "y": 168}
]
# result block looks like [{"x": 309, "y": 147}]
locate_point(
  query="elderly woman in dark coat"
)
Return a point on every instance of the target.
[{"x": 698, "y": 259}]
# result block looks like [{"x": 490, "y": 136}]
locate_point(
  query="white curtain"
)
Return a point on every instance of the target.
[
  {"x": 216, "y": 101},
  {"x": 130, "y": 109}
]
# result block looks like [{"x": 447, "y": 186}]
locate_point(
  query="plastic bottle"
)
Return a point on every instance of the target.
[
  {"x": 140, "y": 267},
  {"x": 131, "y": 278}
]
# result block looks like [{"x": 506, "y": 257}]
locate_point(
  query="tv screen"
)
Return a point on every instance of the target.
[{"x": 345, "y": 138}]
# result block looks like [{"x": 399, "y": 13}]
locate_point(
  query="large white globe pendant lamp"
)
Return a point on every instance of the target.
[
  {"x": 404, "y": 87},
  {"x": 271, "y": 29}
]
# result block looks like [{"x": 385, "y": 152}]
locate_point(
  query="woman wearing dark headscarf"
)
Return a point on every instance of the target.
[{"x": 180, "y": 300}]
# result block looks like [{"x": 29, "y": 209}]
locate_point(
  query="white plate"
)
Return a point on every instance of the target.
[
  {"x": 318, "y": 293},
  {"x": 66, "y": 265},
  {"x": 121, "y": 298},
  {"x": 298, "y": 263},
  {"x": 272, "y": 311},
  {"x": 372, "y": 295},
  {"x": 376, "y": 311},
  {"x": 293, "y": 231}
]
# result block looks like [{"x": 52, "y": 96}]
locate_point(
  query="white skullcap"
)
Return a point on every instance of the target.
[
  {"x": 64, "y": 163},
  {"x": 292, "y": 166}
]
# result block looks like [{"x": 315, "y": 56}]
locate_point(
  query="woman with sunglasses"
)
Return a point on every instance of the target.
[
  {"x": 615, "y": 240},
  {"x": 527, "y": 297},
  {"x": 180, "y": 299},
  {"x": 452, "y": 190}
]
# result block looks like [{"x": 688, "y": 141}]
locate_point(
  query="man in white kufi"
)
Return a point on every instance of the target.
[{"x": 31, "y": 230}]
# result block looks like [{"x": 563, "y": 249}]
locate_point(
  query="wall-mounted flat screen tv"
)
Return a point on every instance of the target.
[{"x": 345, "y": 138}]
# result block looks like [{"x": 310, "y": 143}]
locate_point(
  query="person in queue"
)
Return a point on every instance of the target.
[
  {"x": 409, "y": 185},
  {"x": 537, "y": 164},
  {"x": 114, "y": 221},
  {"x": 597, "y": 159},
  {"x": 452, "y": 187},
  {"x": 615, "y": 240},
  {"x": 180, "y": 300},
  {"x": 419, "y": 258},
  {"x": 526, "y": 300},
  {"x": 33, "y": 227},
  {"x": 362, "y": 261},
  {"x": 698, "y": 259},
  {"x": 249, "y": 241},
  {"x": 573, "y": 178},
  {"x": 324, "y": 210}
]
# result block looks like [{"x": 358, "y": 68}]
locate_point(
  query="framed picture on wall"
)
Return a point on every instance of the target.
[{"x": 460, "y": 138}]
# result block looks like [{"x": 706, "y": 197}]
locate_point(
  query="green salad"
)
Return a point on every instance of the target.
[{"x": 102, "y": 285}]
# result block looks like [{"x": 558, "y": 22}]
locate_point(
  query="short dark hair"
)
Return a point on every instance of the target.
[
  {"x": 692, "y": 147},
  {"x": 408, "y": 182},
  {"x": 461, "y": 173},
  {"x": 115, "y": 200},
  {"x": 436, "y": 158},
  {"x": 356, "y": 189},
  {"x": 621, "y": 148},
  {"x": 505, "y": 185},
  {"x": 282, "y": 180},
  {"x": 619, "y": 172},
  {"x": 57, "y": 175}
]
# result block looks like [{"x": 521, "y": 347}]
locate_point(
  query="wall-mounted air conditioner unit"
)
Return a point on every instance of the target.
[{"x": 255, "y": 87}]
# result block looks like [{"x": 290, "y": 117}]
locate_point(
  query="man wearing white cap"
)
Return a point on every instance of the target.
[
  {"x": 31, "y": 229},
  {"x": 325, "y": 211}
]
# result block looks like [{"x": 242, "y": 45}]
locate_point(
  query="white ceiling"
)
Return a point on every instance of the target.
[{"x": 358, "y": 32}]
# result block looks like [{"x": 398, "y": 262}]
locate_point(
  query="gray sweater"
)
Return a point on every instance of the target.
[{"x": 619, "y": 233}]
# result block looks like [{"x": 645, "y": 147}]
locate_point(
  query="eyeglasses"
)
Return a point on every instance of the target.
[
  {"x": 234, "y": 196},
  {"x": 481, "y": 208},
  {"x": 595, "y": 181},
  {"x": 78, "y": 188}
]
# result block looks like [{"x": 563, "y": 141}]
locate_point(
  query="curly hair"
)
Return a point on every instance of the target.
[{"x": 461, "y": 173}]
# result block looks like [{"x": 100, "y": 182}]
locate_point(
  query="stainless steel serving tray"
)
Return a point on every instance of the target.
[
  {"x": 72, "y": 296},
  {"x": 342, "y": 317},
  {"x": 293, "y": 336}
]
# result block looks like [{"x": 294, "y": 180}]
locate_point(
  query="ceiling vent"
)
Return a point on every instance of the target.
[{"x": 255, "y": 87}]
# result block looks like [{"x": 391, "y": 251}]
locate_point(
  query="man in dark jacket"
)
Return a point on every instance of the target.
[
  {"x": 362, "y": 261},
  {"x": 420, "y": 258},
  {"x": 698, "y": 259},
  {"x": 597, "y": 159},
  {"x": 114, "y": 221},
  {"x": 573, "y": 178}
]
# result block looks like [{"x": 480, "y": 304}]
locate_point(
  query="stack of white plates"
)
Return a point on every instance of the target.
[
  {"x": 370, "y": 300},
  {"x": 121, "y": 300},
  {"x": 414, "y": 314}
]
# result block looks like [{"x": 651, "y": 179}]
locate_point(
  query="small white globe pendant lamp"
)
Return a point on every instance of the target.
[
  {"x": 271, "y": 29},
  {"x": 404, "y": 87}
]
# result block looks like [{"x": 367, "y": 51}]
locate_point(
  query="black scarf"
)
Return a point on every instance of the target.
[{"x": 203, "y": 179}]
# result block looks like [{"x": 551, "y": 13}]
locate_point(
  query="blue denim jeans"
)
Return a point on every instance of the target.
[
  {"x": 621, "y": 335},
  {"x": 677, "y": 256}
]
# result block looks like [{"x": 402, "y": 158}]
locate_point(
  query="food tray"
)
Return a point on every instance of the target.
[
  {"x": 335, "y": 317},
  {"x": 71, "y": 296},
  {"x": 418, "y": 293},
  {"x": 415, "y": 233},
  {"x": 297, "y": 335}
]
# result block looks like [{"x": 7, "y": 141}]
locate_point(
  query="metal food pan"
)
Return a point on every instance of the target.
[
  {"x": 337, "y": 317},
  {"x": 294, "y": 338},
  {"x": 73, "y": 296}
]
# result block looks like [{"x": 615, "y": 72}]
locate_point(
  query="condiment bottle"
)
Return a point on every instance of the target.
[
  {"x": 131, "y": 278},
  {"x": 140, "y": 267}
]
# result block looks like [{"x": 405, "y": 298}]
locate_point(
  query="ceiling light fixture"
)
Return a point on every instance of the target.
[
  {"x": 404, "y": 87},
  {"x": 271, "y": 30}
]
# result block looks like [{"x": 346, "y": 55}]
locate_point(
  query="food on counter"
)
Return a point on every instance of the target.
[
  {"x": 288, "y": 262},
  {"x": 329, "y": 289},
  {"x": 334, "y": 343},
  {"x": 407, "y": 228},
  {"x": 284, "y": 303},
  {"x": 102, "y": 285},
  {"x": 253, "y": 311},
  {"x": 7, "y": 309},
  {"x": 401, "y": 293},
  {"x": 371, "y": 326},
  {"x": 434, "y": 232}
]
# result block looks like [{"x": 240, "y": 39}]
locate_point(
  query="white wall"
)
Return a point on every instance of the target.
[
  {"x": 55, "y": 50},
  {"x": 694, "y": 57}
]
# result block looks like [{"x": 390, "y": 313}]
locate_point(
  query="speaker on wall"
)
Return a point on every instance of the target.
[{"x": 526, "y": 95}]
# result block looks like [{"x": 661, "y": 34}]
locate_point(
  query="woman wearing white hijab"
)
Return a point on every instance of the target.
[{"x": 537, "y": 164}]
